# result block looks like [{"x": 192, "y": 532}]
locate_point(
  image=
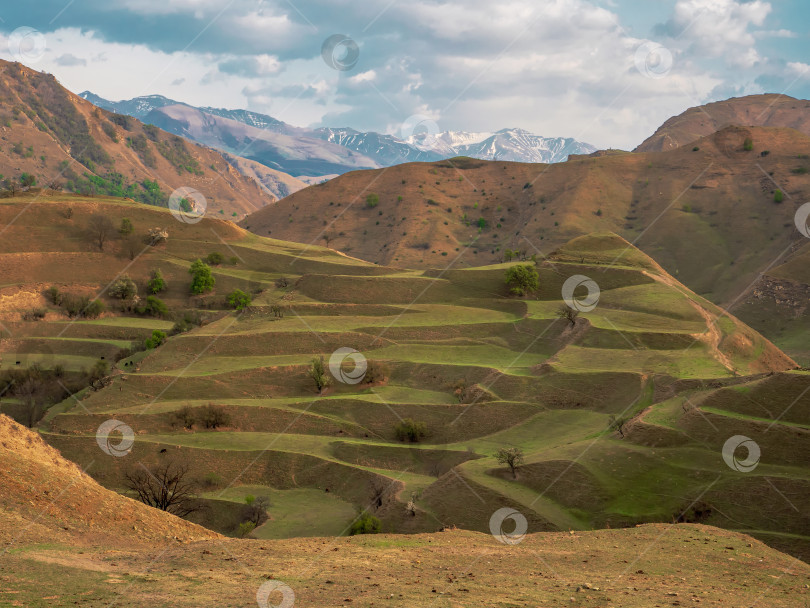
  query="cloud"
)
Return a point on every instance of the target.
[
  {"x": 251, "y": 66},
  {"x": 69, "y": 60}
]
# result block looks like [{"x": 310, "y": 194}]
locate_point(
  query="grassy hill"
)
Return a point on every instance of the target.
[
  {"x": 622, "y": 415},
  {"x": 471, "y": 213},
  {"x": 64, "y": 141}
]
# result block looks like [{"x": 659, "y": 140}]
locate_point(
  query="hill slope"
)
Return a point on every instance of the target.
[
  {"x": 770, "y": 110},
  {"x": 451, "y": 350},
  {"x": 62, "y": 139}
]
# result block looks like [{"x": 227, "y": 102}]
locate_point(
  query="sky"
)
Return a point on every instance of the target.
[{"x": 607, "y": 72}]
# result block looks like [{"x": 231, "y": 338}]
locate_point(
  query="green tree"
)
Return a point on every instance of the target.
[
  {"x": 215, "y": 258},
  {"x": 201, "y": 278},
  {"x": 410, "y": 430},
  {"x": 157, "y": 283},
  {"x": 155, "y": 306},
  {"x": 27, "y": 180},
  {"x": 317, "y": 371},
  {"x": 522, "y": 279},
  {"x": 126, "y": 226},
  {"x": 511, "y": 457},
  {"x": 238, "y": 299}
]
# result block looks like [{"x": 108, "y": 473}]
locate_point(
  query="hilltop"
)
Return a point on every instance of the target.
[
  {"x": 66, "y": 142},
  {"x": 769, "y": 110},
  {"x": 632, "y": 393}
]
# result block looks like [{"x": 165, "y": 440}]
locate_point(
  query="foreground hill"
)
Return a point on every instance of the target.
[
  {"x": 770, "y": 110},
  {"x": 64, "y": 141},
  {"x": 465, "y": 212},
  {"x": 622, "y": 415},
  {"x": 66, "y": 541}
]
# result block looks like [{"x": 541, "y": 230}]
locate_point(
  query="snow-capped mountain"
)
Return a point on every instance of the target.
[
  {"x": 297, "y": 151},
  {"x": 521, "y": 146}
]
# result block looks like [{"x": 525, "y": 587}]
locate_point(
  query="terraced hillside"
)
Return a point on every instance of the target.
[
  {"x": 65, "y": 541},
  {"x": 622, "y": 414}
]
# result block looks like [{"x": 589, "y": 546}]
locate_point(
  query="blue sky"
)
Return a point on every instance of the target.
[{"x": 604, "y": 71}]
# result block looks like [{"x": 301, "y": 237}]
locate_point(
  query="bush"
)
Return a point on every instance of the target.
[
  {"x": 82, "y": 306},
  {"x": 212, "y": 417},
  {"x": 372, "y": 200},
  {"x": 201, "y": 278},
  {"x": 158, "y": 338},
  {"x": 215, "y": 258},
  {"x": 213, "y": 480},
  {"x": 748, "y": 144},
  {"x": 188, "y": 321},
  {"x": 245, "y": 528},
  {"x": 410, "y": 430},
  {"x": 35, "y": 314},
  {"x": 54, "y": 296},
  {"x": 778, "y": 196},
  {"x": 155, "y": 307},
  {"x": 366, "y": 524},
  {"x": 123, "y": 289},
  {"x": 157, "y": 283}
]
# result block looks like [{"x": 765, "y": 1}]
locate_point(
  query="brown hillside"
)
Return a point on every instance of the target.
[
  {"x": 720, "y": 195},
  {"x": 62, "y": 139},
  {"x": 45, "y": 495},
  {"x": 752, "y": 111}
]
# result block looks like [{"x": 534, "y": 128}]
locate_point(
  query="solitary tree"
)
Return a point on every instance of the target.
[
  {"x": 27, "y": 180},
  {"x": 201, "y": 278},
  {"x": 238, "y": 299},
  {"x": 165, "y": 487},
  {"x": 126, "y": 226},
  {"x": 256, "y": 509},
  {"x": 568, "y": 313},
  {"x": 511, "y": 457},
  {"x": 100, "y": 229},
  {"x": 317, "y": 371},
  {"x": 522, "y": 279}
]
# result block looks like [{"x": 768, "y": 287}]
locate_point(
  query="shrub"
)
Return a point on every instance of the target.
[
  {"x": 778, "y": 196},
  {"x": 410, "y": 430},
  {"x": 82, "y": 306},
  {"x": 157, "y": 283},
  {"x": 245, "y": 528},
  {"x": 748, "y": 144},
  {"x": 282, "y": 282},
  {"x": 366, "y": 523},
  {"x": 238, "y": 299},
  {"x": 212, "y": 417},
  {"x": 201, "y": 278},
  {"x": 215, "y": 258},
  {"x": 213, "y": 480},
  {"x": 123, "y": 289},
  {"x": 158, "y": 338},
  {"x": 53, "y": 295},
  {"x": 372, "y": 200},
  {"x": 189, "y": 320},
  {"x": 155, "y": 307},
  {"x": 317, "y": 371},
  {"x": 35, "y": 314}
]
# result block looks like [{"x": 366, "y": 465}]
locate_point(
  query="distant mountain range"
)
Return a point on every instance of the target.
[{"x": 329, "y": 151}]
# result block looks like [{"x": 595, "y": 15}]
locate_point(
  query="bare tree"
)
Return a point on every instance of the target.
[
  {"x": 29, "y": 391},
  {"x": 566, "y": 312},
  {"x": 511, "y": 457},
  {"x": 164, "y": 487},
  {"x": 100, "y": 229}
]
